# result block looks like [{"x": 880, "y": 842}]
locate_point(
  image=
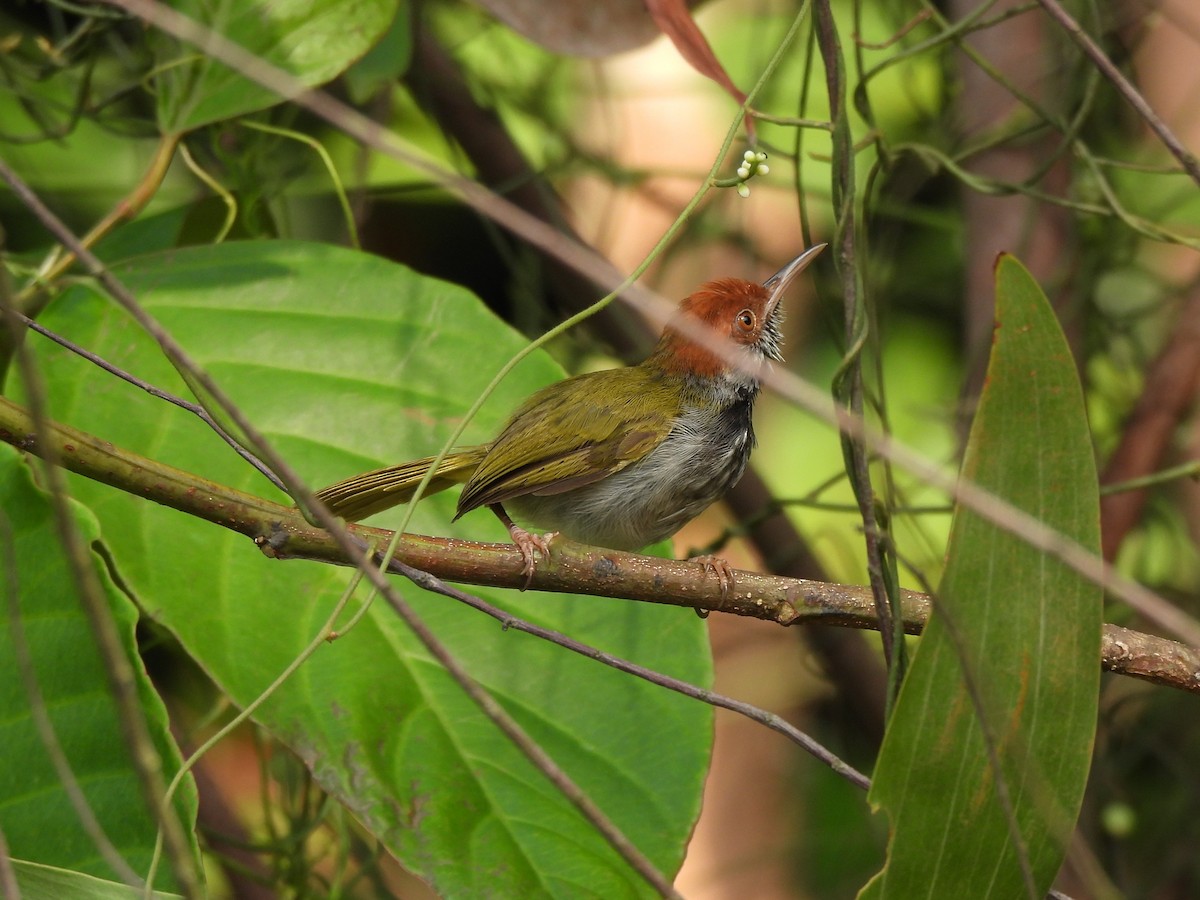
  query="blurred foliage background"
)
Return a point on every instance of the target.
[{"x": 979, "y": 127}]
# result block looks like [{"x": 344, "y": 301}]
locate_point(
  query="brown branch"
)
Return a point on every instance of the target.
[{"x": 281, "y": 532}]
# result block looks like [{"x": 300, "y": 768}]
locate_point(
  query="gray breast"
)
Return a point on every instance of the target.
[{"x": 702, "y": 457}]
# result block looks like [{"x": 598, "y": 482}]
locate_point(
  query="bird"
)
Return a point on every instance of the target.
[{"x": 620, "y": 458}]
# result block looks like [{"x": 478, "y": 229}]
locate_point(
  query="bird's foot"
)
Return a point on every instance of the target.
[
  {"x": 528, "y": 544},
  {"x": 719, "y": 567}
]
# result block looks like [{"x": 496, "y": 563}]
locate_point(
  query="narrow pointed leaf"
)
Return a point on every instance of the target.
[
  {"x": 1024, "y": 626},
  {"x": 675, "y": 20}
]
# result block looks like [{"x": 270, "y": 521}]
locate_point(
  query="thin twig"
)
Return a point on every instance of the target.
[
  {"x": 9, "y": 888},
  {"x": 1123, "y": 85},
  {"x": 227, "y": 198},
  {"x": 314, "y": 644},
  {"x": 128, "y": 207},
  {"x": 532, "y": 750},
  {"x": 510, "y": 622},
  {"x": 849, "y": 379},
  {"x": 1167, "y": 397},
  {"x": 1189, "y": 469},
  {"x": 194, "y": 408}
]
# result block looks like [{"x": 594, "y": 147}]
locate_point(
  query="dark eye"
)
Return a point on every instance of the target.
[{"x": 746, "y": 320}]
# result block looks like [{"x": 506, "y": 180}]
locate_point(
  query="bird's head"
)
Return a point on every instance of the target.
[{"x": 730, "y": 327}]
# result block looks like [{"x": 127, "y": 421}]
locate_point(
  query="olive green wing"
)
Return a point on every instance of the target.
[{"x": 572, "y": 434}]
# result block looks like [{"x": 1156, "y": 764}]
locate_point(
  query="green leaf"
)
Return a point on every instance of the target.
[
  {"x": 146, "y": 234},
  {"x": 313, "y": 40},
  {"x": 383, "y": 63},
  {"x": 39, "y": 882},
  {"x": 40, "y": 824},
  {"x": 1025, "y": 626},
  {"x": 347, "y": 362}
]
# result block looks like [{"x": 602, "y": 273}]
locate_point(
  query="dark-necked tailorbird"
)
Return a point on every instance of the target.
[{"x": 620, "y": 458}]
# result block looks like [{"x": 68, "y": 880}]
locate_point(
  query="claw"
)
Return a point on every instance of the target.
[
  {"x": 527, "y": 543},
  {"x": 720, "y": 568}
]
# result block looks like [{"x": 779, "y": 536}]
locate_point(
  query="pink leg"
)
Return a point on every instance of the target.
[{"x": 527, "y": 543}]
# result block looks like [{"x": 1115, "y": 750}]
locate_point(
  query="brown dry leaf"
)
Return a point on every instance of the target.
[
  {"x": 596, "y": 28},
  {"x": 676, "y": 22},
  {"x": 591, "y": 28}
]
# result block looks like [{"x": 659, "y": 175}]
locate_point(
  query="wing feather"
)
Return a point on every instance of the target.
[{"x": 573, "y": 434}]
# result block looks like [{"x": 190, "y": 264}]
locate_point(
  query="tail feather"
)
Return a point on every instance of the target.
[{"x": 364, "y": 495}]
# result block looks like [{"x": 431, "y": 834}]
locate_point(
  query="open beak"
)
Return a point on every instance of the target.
[{"x": 778, "y": 283}]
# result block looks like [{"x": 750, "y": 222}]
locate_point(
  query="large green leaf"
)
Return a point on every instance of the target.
[
  {"x": 39, "y": 822},
  {"x": 346, "y": 362},
  {"x": 314, "y": 40},
  {"x": 38, "y": 882},
  {"x": 1024, "y": 626}
]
